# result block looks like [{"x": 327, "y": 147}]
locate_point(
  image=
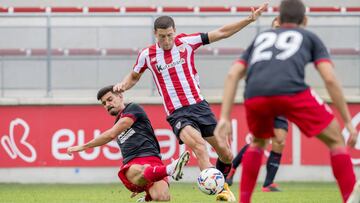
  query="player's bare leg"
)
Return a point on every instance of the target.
[
  {"x": 143, "y": 174},
  {"x": 273, "y": 162},
  {"x": 192, "y": 138},
  {"x": 340, "y": 160},
  {"x": 222, "y": 148},
  {"x": 135, "y": 174},
  {"x": 160, "y": 191},
  {"x": 278, "y": 141},
  {"x": 355, "y": 195}
]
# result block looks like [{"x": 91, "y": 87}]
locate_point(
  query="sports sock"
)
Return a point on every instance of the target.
[
  {"x": 231, "y": 173},
  {"x": 156, "y": 173},
  {"x": 272, "y": 166},
  {"x": 251, "y": 165},
  {"x": 237, "y": 160},
  {"x": 148, "y": 197},
  {"x": 343, "y": 171},
  {"x": 223, "y": 167}
]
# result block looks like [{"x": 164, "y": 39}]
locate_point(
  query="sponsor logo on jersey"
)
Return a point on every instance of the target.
[
  {"x": 125, "y": 135},
  {"x": 160, "y": 67}
]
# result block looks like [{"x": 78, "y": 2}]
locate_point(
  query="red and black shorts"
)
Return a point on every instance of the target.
[
  {"x": 305, "y": 109},
  {"x": 199, "y": 116},
  {"x": 149, "y": 160}
]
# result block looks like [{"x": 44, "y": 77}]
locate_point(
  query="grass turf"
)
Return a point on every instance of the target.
[{"x": 180, "y": 192}]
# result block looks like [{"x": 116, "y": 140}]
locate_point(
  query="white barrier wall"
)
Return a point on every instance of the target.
[{"x": 33, "y": 142}]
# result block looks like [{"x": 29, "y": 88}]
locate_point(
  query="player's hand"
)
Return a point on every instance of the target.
[
  {"x": 119, "y": 87},
  {"x": 256, "y": 13},
  {"x": 224, "y": 130},
  {"x": 70, "y": 150},
  {"x": 353, "y": 135}
]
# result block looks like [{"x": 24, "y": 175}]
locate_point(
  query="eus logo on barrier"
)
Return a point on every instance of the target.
[
  {"x": 42, "y": 137},
  {"x": 14, "y": 148}
]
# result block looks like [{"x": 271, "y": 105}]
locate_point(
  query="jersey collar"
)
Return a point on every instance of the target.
[{"x": 289, "y": 25}]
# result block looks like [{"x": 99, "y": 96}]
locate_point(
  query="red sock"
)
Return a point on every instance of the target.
[
  {"x": 251, "y": 165},
  {"x": 156, "y": 173},
  {"x": 232, "y": 172},
  {"x": 343, "y": 171},
  {"x": 148, "y": 197}
]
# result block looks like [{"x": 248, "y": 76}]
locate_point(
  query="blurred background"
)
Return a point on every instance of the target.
[{"x": 55, "y": 55}]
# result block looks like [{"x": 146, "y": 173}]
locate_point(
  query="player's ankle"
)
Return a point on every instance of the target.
[{"x": 170, "y": 168}]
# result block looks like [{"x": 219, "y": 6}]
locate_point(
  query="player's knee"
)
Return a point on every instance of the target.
[
  {"x": 279, "y": 143},
  {"x": 331, "y": 136},
  {"x": 260, "y": 143},
  {"x": 335, "y": 140},
  {"x": 278, "y": 147},
  {"x": 141, "y": 173},
  {"x": 161, "y": 196}
]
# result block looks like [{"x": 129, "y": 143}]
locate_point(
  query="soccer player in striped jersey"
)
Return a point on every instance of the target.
[{"x": 171, "y": 62}]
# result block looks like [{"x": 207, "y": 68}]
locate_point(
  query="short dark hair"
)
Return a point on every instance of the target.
[
  {"x": 164, "y": 22},
  {"x": 292, "y": 11},
  {"x": 104, "y": 91}
]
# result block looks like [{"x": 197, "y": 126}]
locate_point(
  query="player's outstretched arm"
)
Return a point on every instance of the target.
[
  {"x": 232, "y": 28},
  {"x": 237, "y": 72},
  {"x": 128, "y": 82},
  {"x": 334, "y": 89},
  {"x": 105, "y": 137}
]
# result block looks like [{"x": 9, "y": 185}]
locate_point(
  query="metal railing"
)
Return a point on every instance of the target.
[{"x": 59, "y": 60}]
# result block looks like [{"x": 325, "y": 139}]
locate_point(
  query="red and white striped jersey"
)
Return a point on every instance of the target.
[{"x": 174, "y": 70}]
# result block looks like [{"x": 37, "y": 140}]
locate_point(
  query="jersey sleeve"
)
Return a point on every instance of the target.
[
  {"x": 194, "y": 40},
  {"x": 133, "y": 111},
  {"x": 141, "y": 65},
  {"x": 319, "y": 52},
  {"x": 245, "y": 56}
]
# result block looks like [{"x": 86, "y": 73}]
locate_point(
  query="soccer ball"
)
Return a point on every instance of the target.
[{"x": 211, "y": 181}]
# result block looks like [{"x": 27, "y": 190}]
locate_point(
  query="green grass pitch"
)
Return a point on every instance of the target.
[{"x": 293, "y": 192}]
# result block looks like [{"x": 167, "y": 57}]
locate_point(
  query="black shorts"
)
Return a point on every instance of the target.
[
  {"x": 281, "y": 122},
  {"x": 197, "y": 115}
]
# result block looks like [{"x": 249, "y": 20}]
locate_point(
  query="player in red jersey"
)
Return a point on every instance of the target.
[
  {"x": 171, "y": 62},
  {"x": 274, "y": 65},
  {"x": 142, "y": 168},
  {"x": 277, "y": 146}
]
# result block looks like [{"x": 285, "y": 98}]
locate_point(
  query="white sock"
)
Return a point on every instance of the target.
[{"x": 170, "y": 168}]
